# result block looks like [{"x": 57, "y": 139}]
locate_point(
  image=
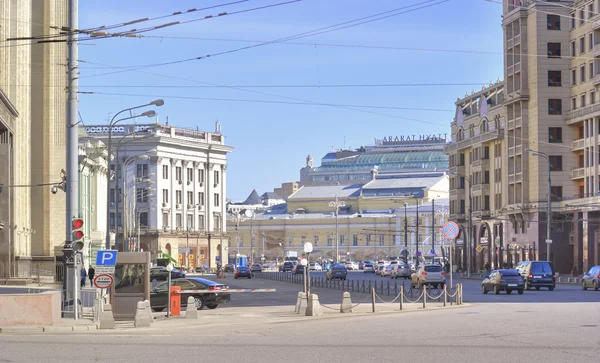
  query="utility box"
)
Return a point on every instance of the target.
[
  {"x": 175, "y": 301},
  {"x": 132, "y": 284}
]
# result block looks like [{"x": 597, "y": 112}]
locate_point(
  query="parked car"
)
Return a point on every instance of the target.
[
  {"x": 160, "y": 273},
  {"x": 315, "y": 266},
  {"x": 591, "y": 279},
  {"x": 213, "y": 294},
  {"x": 386, "y": 271},
  {"x": 538, "y": 274},
  {"x": 379, "y": 268},
  {"x": 503, "y": 280},
  {"x": 337, "y": 271},
  {"x": 429, "y": 274},
  {"x": 257, "y": 267},
  {"x": 243, "y": 271},
  {"x": 401, "y": 270},
  {"x": 351, "y": 265},
  {"x": 202, "y": 269},
  {"x": 368, "y": 267},
  {"x": 229, "y": 267}
]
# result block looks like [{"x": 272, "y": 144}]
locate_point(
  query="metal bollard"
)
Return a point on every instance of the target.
[
  {"x": 401, "y": 297},
  {"x": 424, "y": 296},
  {"x": 373, "y": 298},
  {"x": 445, "y": 295}
]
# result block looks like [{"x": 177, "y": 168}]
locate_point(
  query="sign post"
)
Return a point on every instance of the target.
[
  {"x": 451, "y": 231},
  {"x": 106, "y": 260},
  {"x": 308, "y": 248}
]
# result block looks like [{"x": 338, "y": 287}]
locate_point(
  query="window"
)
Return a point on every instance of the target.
[
  {"x": 555, "y": 134},
  {"x": 165, "y": 219},
  {"x": 200, "y": 222},
  {"x": 573, "y": 103},
  {"x": 368, "y": 239},
  {"x": 329, "y": 241},
  {"x": 553, "y": 22},
  {"x": 217, "y": 222},
  {"x": 590, "y": 41},
  {"x": 573, "y": 77},
  {"x": 316, "y": 240},
  {"x": 190, "y": 175},
  {"x": 381, "y": 239},
  {"x": 165, "y": 195},
  {"x": 142, "y": 170},
  {"x": 178, "y": 197},
  {"x": 178, "y": 173},
  {"x": 354, "y": 240},
  {"x": 582, "y": 100},
  {"x": 554, "y": 78},
  {"x": 591, "y": 70},
  {"x": 165, "y": 172},
  {"x": 190, "y": 198},
  {"x": 200, "y": 176},
  {"x": 342, "y": 239},
  {"x": 581, "y": 16},
  {"x": 572, "y": 16},
  {"x": 144, "y": 219},
  {"x": 216, "y": 199},
  {"x": 573, "y": 52},
  {"x": 582, "y": 74},
  {"x": 201, "y": 198},
  {"x": 112, "y": 219},
  {"x": 555, "y": 163},
  {"x": 554, "y": 107},
  {"x": 216, "y": 180},
  {"x": 142, "y": 195},
  {"x": 556, "y": 193},
  {"x": 119, "y": 220},
  {"x": 112, "y": 195},
  {"x": 592, "y": 97},
  {"x": 581, "y": 45},
  {"x": 190, "y": 222},
  {"x": 178, "y": 220}
]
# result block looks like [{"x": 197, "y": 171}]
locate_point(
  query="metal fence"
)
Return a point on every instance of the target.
[
  {"x": 42, "y": 272},
  {"x": 88, "y": 304}
]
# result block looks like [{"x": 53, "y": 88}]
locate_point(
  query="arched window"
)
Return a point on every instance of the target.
[
  {"x": 461, "y": 134},
  {"x": 471, "y": 131},
  {"x": 485, "y": 127}
]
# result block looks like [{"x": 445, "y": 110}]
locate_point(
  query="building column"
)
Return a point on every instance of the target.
[
  {"x": 184, "y": 190},
  {"x": 585, "y": 239},
  {"x": 195, "y": 188},
  {"x": 172, "y": 199}
]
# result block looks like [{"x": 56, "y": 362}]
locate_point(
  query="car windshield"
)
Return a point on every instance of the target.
[
  {"x": 510, "y": 273},
  {"x": 541, "y": 267},
  {"x": 433, "y": 268}
]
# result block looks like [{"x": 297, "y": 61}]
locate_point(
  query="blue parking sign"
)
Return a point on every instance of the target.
[{"x": 106, "y": 258}]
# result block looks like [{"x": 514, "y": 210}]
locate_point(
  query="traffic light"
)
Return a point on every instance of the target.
[{"x": 77, "y": 235}]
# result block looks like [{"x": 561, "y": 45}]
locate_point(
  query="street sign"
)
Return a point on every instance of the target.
[
  {"x": 450, "y": 230},
  {"x": 479, "y": 248},
  {"x": 184, "y": 250},
  {"x": 100, "y": 270},
  {"x": 106, "y": 258},
  {"x": 103, "y": 281},
  {"x": 432, "y": 252},
  {"x": 308, "y": 247}
]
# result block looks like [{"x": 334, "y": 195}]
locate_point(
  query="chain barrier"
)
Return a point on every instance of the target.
[
  {"x": 414, "y": 301},
  {"x": 350, "y": 308},
  {"x": 388, "y": 302},
  {"x": 436, "y": 297}
]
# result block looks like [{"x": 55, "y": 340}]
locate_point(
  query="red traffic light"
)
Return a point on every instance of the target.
[
  {"x": 77, "y": 223},
  {"x": 77, "y": 235}
]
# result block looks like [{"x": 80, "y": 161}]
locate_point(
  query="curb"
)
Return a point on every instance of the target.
[{"x": 47, "y": 329}]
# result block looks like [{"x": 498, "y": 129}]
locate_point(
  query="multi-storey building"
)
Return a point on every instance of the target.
[
  {"x": 477, "y": 187},
  {"x": 168, "y": 195},
  {"x": 32, "y": 129},
  {"x": 377, "y": 219}
]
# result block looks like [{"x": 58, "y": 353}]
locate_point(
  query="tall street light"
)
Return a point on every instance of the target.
[
  {"x": 337, "y": 204},
  {"x": 549, "y": 211},
  {"x": 113, "y": 122},
  {"x": 470, "y": 224}
]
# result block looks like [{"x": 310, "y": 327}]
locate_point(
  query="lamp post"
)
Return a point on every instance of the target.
[
  {"x": 113, "y": 122},
  {"x": 337, "y": 204},
  {"x": 124, "y": 194},
  {"x": 549, "y": 211},
  {"x": 470, "y": 224}
]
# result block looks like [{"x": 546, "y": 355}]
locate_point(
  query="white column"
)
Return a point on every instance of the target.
[
  {"x": 595, "y": 151},
  {"x": 398, "y": 228},
  {"x": 172, "y": 200},
  {"x": 223, "y": 197},
  {"x": 184, "y": 190}
]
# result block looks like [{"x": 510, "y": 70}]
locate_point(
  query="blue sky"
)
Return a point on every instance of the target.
[{"x": 272, "y": 140}]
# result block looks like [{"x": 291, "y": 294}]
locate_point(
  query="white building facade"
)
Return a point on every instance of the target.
[{"x": 171, "y": 189}]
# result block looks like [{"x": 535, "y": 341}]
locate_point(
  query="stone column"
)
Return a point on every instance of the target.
[
  {"x": 195, "y": 188},
  {"x": 585, "y": 266},
  {"x": 184, "y": 190},
  {"x": 172, "y": 200}
]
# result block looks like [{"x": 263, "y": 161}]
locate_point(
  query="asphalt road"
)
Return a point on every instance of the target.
[{"x": 481, "y": 333}]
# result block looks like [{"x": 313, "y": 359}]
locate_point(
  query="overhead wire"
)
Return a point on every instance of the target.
[{"x": 378, "y": 16}]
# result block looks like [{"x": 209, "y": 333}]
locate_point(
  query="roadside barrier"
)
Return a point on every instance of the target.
[{"x": 224, "y": 291}]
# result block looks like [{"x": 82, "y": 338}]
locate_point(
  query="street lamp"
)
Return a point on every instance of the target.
[
  {"x": 549, "y": 211},
  {"x": 470, "y": 224},
  {"x": 337, "y": 204},
  {"x": 109, "y": 152}
]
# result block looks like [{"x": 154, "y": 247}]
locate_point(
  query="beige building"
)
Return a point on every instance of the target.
[
  {"x": 32, "y": 125},
  {"x": 378, "y": 219}
]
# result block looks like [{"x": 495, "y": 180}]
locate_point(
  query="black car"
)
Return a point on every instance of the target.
[
  {"x": 299, "y": 269},
  {"x": 161, "y": 274},
  {"x": 243, "y": 271},
  {"x": 503, "y": 280},
  {"x": 229, "y": 268},
  {"x": 538, "y": 274},
  {"x": 211, "y": 296},
  {"x": 287, "y": 266}
]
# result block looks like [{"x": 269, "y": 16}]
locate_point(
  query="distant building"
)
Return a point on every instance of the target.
[
  {"x": 254, "y": 202},
  {"x": 287, "y": 189},
  {"x": 390, "y": 155}
]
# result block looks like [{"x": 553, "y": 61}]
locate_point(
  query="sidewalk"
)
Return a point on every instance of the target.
[{"x": 63, "y": 326}]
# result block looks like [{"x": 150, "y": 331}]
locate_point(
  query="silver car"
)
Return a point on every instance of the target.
[
  {"x": 429, "y": 274},
  {"x": 591, "y": 279},
  {"x": 401, "y": 270},
  {"x": 368, "y": 267}
]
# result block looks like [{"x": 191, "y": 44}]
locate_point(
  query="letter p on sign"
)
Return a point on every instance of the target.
[{"x": 106, "y": 258}]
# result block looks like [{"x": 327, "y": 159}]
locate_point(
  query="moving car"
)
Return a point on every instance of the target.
[
  {"x": 257, "y": 267},
  {"x": 299, "y": 269},
  {"x": 538, "y": 274},
  {"x": 591, "y": 279},
  {"x": 287, "y": 266},
  {"x": 401, "y": 270},
  {"x": 337, "y": 271},
  {"x": 202, "y": 269},
  {"x": 368, "y": 267},
  {"x": 386, "y": 271},
  {"x": 229, "y": 267},
  {"x": 211, "y": 296},
  {"x": 242, "y": 271},
  {"x": 429, "y": 274},
  {"x": 503, "y": 280},
  {"x": 315, "y": 266}
]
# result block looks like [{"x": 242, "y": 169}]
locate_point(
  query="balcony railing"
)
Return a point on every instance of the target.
[
  {"x": 577, "y": 173},
  {"x": 583, "y": 111},
  {"x": 578, "y": 145},
  {"x": 458, "y": 170}
]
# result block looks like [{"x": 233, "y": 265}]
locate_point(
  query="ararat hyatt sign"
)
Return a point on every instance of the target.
[
  {"x": 117, "y": 129},
  {"x": 407, "y": 138}
]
